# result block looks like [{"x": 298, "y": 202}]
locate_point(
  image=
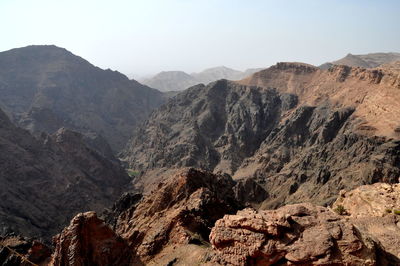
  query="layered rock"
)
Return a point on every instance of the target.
[
  {"x": 46, "y": 182},
  {"x": 301, "y": 234},
  {"x": 44, "y": 88}
]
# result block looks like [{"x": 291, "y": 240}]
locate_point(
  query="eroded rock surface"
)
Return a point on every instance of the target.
[
  {"x": 89, "y": 241},
  {"x": 301, "y": 234},
  {"x": 375, "y": 210}
]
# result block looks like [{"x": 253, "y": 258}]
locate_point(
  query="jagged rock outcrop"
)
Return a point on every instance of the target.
[
  {"x": 46, "y": 182},
  {"x": 301, "y": 234},
  {"x": 180, "y": 211},
  {"x": 375, "y": 210},
  {"x": 44, "y": 88},
  {"x": 89, "y": 241}
]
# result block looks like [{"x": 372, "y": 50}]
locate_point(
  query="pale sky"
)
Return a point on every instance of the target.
[{"x": 143, "y": 37}]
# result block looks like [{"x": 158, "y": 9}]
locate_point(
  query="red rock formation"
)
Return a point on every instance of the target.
[
  {"x": 181, "y": 210},
  {"x": 88, "y": 241},
  {"x": 301, "y": 234}
]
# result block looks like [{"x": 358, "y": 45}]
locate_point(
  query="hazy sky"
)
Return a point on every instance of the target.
[{"x": 142, "y": 37}]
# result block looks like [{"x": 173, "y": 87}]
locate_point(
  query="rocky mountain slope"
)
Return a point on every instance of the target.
[
  {"x": 192, "y": 218},
  {"x": 300, "y": 132},
  {"x": 179, "y": 80},
  {"x": 48, "y": 180},
  {"x": 44, "y": 88},
  {"x": 366, "y": 60}
]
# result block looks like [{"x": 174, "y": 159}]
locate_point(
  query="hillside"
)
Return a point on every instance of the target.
[
  {"x": 45, "y": 182},
  {"x": 44, "y": 88},
  {"x": 300, "y": 132}
]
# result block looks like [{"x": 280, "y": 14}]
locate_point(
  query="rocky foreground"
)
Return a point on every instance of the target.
[{"x": 195, "y": 218}]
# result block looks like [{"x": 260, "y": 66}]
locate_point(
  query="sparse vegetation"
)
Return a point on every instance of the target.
[
  {"x": 388, "y": 211},
  {"x": 340, "y": 210},
  {"x": 132, "y": 173},
  {"x": 397, "y": 212}
]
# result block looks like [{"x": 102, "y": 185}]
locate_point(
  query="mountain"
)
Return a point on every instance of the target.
[
  {"x": 44, "y": 88},
  {"x": 366, "y": 61},
  {"x": 179, "y": 80},
  {"x": 300, "y": 132},
  {"x": 46, "y": 181},
  {"x": 212, "y": 74},
  {"x": 171, "y": 80}
]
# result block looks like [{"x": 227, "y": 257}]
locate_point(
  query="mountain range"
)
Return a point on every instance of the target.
[
  {"x": 365, "y": 60},
  {"x": 290, "y": 165},
  {"x": 179, "y": 80}
]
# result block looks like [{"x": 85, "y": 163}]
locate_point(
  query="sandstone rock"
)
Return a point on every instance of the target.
[
  {"x": 301, "y": 234},
  {"x": 89, "y": 241}
]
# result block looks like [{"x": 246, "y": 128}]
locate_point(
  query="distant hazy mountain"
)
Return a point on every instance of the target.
[
  {"x": 46, "y": 87},
  {"x": 366, "y": 61},
  {"x": 171, "y": 80},
  {"x": 179, "y": 80}
]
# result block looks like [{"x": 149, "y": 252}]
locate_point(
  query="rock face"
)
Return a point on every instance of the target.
[
  {"x": 44, "y": 88},
  {"x": 88, "y": 241},
  {"x": 180, "y": 211},
  {"x": 46, "y": 182},
  {"x": 315, "y": 153},
  {"x": 301, "y": 234}
]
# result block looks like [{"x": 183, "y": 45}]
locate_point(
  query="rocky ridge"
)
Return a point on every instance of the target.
[{"x": 366, "y": 60}]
